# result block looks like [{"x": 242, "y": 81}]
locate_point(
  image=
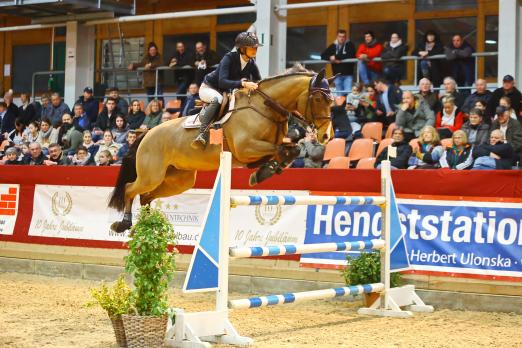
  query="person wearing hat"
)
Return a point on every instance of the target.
[
  {"x": 90, "y": 105},
  {"x": 237, "y": 69},
  {"x": 508, "y": 89},
  {"x": 511, "y": 130}
]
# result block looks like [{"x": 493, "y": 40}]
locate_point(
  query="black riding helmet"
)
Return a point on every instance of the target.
[{"x": 247, "y": 39}]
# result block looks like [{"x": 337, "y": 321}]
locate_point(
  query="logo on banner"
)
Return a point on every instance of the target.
[
  {"x": 61, "y": 203},
  {"x": 8, "y": 207},
  {"x": 268, "y": 214}
]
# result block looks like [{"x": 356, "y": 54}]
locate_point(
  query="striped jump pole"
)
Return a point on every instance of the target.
[
  {"x": 295, "y": 297},
  {"x": 297, "y": 249},
  {"x": 306, "y": 200}
]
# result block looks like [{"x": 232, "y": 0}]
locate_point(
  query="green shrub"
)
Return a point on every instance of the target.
[
  {"x": 116, "y": 300},
  {"x": 366, "y": 269},
  {"x": 150, "y": 261}
]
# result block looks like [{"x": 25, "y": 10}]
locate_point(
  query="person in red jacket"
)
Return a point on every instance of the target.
[
  {"x": 449, "y": 119},
  {"x": 367, "y": 51}
]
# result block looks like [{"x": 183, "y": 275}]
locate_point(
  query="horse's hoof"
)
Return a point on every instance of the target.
[
  {"x": 252, "y": 181},
  {"x": 121, "y": 226}
]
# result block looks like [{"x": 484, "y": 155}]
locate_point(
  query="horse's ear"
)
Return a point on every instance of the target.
[
  {"x": 319, "y": 78},
  {"x": 331, "y": 79}
]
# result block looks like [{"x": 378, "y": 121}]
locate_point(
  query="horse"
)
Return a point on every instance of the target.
[{"x": 161, "y": 163}]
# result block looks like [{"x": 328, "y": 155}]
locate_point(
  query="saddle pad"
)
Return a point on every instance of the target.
[{"x": 192, "y": 121}]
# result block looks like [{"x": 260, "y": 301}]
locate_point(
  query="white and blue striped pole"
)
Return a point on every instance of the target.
[{"x": 305, "y": 200}]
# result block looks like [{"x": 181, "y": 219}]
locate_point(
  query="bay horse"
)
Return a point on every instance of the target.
[{"x": 161, "y": 163}]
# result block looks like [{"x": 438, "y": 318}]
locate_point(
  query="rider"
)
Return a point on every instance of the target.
[{"x": 237, "y": 69}]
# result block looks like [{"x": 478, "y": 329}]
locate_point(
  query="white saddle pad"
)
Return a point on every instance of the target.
[{"x": 192, "y": 121}]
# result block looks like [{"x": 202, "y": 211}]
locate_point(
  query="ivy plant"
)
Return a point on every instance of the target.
[
  {"x": 116, "y": 299},
  {"x": 150, "y": 261},
  {"x": 366, "y": 269}
]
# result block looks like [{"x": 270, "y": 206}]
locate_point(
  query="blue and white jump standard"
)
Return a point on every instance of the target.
[{"x": 208, "y": 269}]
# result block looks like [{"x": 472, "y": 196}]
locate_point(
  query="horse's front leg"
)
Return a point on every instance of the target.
[{"x": 285, "y": 154}]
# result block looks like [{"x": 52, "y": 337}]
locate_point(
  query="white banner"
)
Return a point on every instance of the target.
[
  {"x": 81, "y": 212},
  {"x": 9, "y": 201}
]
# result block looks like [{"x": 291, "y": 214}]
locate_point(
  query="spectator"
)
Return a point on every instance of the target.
[
  {"x": 182, "y": 59},
  {"x": 7, "y": 120},
  {"x": 48, "y": 134},
  {"x": 131, "y": 138},
  {"x": 89, "y": 104},
  {"x": 367, "y": 51},
  {"x": 8, "y": 98},
  {"x": 390, "y": 97},
  {"x": 26, "y": 111},
  {"x": 508, "y": 89},
  {"x": 481, "y": 105},
  {"x": 190, "y": 102},
  {"x": 403, "y": 152},
  {"x": 352, "y": 101},
  {"x": 495, "y": 155},
  {"x": 150, "y": 62},
  {"x": 340, "y": 121},
  {"x": 107, "y": 145},
  {"x": 312, "y": 152},
  {"x": 80, "y": 119},
  {"x": 32, "y": 133},
  {"x": 475, "y": 128},
  {"x": 428, "y": 151},
  {"x": 136, "y": 115},
  {"x": 459, "y": 156},
  {"x": 167, "y": 116},
  {"x": 430, "y": 68},
  {"x": 154, "y": 117},
  {"x": 459, "y": 53},
  {"x": 342, "y": 48},
  {"x": 82, "y": 157},
  {"x": 391, "y": 55},
  {"x": 427, "y": 95},
  {"x": 413, "y": 115},
  {"x": 120, "y": 130},
  {"x": 122, "y": 106},
  {"x": 450, "y": 89},
  {"x": 481, "y": 93},
  {"x": 511, "y": 131},
  {"x": 11, "y": 156},
  {"x": 46, "y": 109},
  {"x": 89, "y": 144},
  {"x": 58, "y": 109},
  {"x": 106, "y": 118},
  {"x": 69, "y": 137},
  {"x": 17, "y": 135},
  {"x": 506, "y": 102},
  {"x": 35, "y": 157},
  {"x": 104, "y": 158},
  {"x": 205, "y": 60},
  {"x": 57, "y": 156},
  {"x": 367, "y": 110},
  {"x": 449, "y": 119}
]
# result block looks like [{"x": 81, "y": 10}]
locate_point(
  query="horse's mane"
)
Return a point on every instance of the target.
[{"x": 296, "y": 70}]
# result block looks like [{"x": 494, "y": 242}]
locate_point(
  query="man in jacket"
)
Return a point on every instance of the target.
[
  {"x": 428, "y": 95},
  {"x": 367, "y": 51},
  {"x": 481, "y": 93},
  {"x": 26, "y": 111},
  {"x": 7, "y": 120},
  {"x": 150, "y": 62},
  {"x": 57, "y": 156},
  {"x": 90, "y": 105},
  {"x": 390, "y": 96},
  {"x": 204, "y": 61},
  {"x": 508, "y": 89},
  {"x": 122, "y": 106},
  {"x": 511, "y": 130},
  {"x": 35, "y": 157},
  {"x": 58, "y": 108},
  {"x": 495, "y": 155},
  {"x": 413, "y": 115},
  {"x": 459, "y": 52},
  {"x": 341, "y": 49},
  {"x": 181, "y": 59}
]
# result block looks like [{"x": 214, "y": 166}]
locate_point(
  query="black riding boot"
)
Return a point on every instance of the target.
[{"x": 205, "y": 117}]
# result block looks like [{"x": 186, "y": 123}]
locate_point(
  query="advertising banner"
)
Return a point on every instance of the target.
[{"x": 9, "y": 200}]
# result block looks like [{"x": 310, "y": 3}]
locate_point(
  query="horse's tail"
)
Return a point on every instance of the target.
[{"x": 127, "y": 174}]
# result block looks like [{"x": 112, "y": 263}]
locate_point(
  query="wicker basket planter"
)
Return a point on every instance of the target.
[
  {"x": 119, "y": 331},
  {"x": 144, "y": 331}
]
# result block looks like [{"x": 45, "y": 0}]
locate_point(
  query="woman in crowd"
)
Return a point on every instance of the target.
[
  {"x": 506, "y": 102},
  {"x": 366, "y": 111},
  {"x": 475, "y": 127},
  {"x": 48, "y": 134},
  {"x": 496, "y": 155},
  {"x": 449, "y": 119},
  {"x": 89, "y": 144},
  {"x": 430, "y": 68},
  {"x": 428, "y": 95},
  {"x": 154, "y": 117},
  {"x": 131, "y": 138},
  {"x": 32, "y": 132},
  {"x": 481, "y": 105},
  {"x": 136, "y": 115},
  {"x": 403, "y": 152},
  {"x": 82, "y": 157},
  {"x": 459, "y": 156},
  {"x": 107, "y": 144},
  {"x": 120, "y": 130},
  {"x": 11, "y": 156},
  {"x": 149, "y": 63},
  {"x": 428, "y": 151},
  {"x": 104, "y": 158},
  {"x": 393, "y": 51},
  {"x": 413, "y": 115},
  {"x": 17, "y": 135}
]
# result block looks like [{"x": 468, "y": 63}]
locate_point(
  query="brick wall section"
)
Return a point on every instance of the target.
[{"x": 8, "y": 202}]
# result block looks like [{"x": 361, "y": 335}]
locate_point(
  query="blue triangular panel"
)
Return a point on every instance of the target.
[
  {"x": 398, "y": 254},
  {"x": 204, "y": 273},
  {"x": 210, "y": 236}
]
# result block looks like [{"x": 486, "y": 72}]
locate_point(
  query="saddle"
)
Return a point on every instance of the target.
[{"x": 227, "y": 106}]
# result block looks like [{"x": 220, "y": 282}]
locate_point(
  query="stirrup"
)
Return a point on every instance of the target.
[{"x": 200, "y": 143}]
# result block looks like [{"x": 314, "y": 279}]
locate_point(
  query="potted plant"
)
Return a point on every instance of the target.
[
  {"x": 366, "y": 269},
  {"x": 151, "y": 263},
  {"x": 116, "y": 300}
]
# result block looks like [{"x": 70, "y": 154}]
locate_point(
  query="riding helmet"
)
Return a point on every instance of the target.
[{"x": 247, "y": 39}]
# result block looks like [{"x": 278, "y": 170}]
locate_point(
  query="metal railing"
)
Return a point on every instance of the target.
[{"x": 38, "y": 73}]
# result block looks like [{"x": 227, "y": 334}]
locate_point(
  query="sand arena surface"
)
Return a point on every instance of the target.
[{"x": 37, "y": 311}]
